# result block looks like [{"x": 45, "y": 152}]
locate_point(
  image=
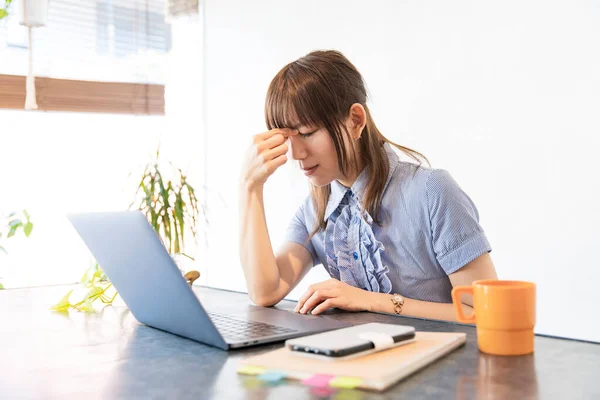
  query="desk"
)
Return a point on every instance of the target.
[{"x": 109, "y": 355}]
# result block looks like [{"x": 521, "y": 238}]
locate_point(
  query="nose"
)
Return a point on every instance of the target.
[{"x": 299, "y": 151}]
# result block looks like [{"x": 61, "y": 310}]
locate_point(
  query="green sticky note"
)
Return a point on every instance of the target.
[
  {"x": 250, "y": 370},
  {"x": 346, "y": 382}
]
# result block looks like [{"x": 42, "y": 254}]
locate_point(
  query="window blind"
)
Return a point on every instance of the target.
[{"x": 86, "y": 42}]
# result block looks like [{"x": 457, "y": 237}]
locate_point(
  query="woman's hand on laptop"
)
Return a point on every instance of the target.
[{"x": 333, "y": 293}]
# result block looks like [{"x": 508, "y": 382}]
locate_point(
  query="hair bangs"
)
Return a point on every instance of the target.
[{"x": 292, "y": 101}]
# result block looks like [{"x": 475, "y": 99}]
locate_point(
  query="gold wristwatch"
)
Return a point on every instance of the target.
[{"x": 398, "y": 302}]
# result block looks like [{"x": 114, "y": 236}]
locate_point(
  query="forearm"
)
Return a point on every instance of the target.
[
  {"x": 256, "y": 253},
  {"x": 381, "y": 302}
]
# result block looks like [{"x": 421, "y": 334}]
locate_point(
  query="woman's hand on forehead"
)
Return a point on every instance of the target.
[
  {"x": 266, "y": 154},
  {"x": 285, "y": 132}
]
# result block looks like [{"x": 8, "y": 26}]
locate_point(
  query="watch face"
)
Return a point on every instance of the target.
[{"x": 398, "y": 299}]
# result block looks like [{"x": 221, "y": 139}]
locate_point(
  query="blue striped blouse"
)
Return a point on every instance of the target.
[{"x": 429, "y": 230}]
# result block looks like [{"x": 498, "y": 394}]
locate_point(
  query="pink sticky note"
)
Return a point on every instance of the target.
[{"x": 318, "y": 380}]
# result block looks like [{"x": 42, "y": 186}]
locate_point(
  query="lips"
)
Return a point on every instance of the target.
[{"x": 309, "y": 171}]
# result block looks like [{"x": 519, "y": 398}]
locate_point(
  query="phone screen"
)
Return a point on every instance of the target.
[{"x": 342, "y": 352}]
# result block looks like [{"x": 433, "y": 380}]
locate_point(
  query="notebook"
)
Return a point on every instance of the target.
[{"x": 376, "y": 371}]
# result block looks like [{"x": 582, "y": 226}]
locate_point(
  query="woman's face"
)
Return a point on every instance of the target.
[{"x": 314, "y": 150}]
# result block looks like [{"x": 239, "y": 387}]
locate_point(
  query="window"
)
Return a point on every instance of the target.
[
  {"x": 98, "y": 58},
  {"x": 122, "y": 31},
  {"x": 124, "y": 43}
]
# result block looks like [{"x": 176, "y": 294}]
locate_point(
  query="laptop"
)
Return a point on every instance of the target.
[{"x": 152, "y": 286}]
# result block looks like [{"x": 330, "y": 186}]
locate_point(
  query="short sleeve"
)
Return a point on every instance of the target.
[
  {"x": 456, "y": 234},
  {"x": 297, "y": 232}
]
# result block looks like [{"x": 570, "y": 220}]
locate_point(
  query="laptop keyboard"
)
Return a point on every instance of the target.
[{"x": 240, "y": 329}]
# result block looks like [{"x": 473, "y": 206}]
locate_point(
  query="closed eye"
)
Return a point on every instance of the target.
[{"x": 307, "y": 134}]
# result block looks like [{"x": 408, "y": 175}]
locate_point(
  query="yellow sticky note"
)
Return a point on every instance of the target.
[
  {"x": 346, "y": 382},
  {"x": 250, "y": 370}
]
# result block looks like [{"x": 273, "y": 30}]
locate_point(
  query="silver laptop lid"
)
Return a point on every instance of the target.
[{"x": 142, "y": 271}]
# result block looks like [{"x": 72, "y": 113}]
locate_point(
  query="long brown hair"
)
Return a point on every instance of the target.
[{"x": 318, "y": 90}]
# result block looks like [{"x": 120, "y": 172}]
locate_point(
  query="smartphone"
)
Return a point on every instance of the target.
[{"x": 352, "y": 342}]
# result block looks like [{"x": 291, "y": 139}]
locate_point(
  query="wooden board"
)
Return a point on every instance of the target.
[{"x": 378, "y": 371}]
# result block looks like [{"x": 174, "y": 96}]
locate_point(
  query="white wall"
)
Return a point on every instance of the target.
[
  {"x": 506, "y": 96},
  {"x": 53, "y": 163}
]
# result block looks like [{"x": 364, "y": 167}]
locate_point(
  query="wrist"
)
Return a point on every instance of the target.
[
  {"x": 398, "y": 303},
  {"x": 250, "y": 187},
  {"x": 382, "y": 302},
  {"x": 376, "y": 302}
]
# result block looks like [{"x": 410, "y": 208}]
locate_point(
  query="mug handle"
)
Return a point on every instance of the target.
[{"x": 457, "y": 291}]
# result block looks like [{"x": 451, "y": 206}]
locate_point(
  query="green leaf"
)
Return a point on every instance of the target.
[
  {"x": 28, "y": 228},
  {"x": 147, "y": 194},
  {"x": 84, "y": 278},
  {"x": 93, "y": 292},
  {"x": 86, "y": 306},
  {"x": 163, "y": 191},
  {"x": 3, "y": 13},
  {"x": 12, "y": 232},
  {"x": 3, "y": 250},
  {"x": 15, "y": 222},
  {"x": 63, "y": 304},
  {"x": 26, "y": 214},
  {"x": 98, "y": 274},
  {"x": 167, "y": 229},
  {"x": 179, "y": 212},
  {"x": 188, "y": 256},
  {"x": 1, "y": 286}
]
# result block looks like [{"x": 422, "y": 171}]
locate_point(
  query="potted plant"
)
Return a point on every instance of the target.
[
  {"x": 169, "y": 203},
  {"x": 172, "y": 207}
]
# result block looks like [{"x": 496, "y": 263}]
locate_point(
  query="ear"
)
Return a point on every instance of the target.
[{"x": 357, "y": 120}]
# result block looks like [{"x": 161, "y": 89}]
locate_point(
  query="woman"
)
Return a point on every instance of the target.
[{"x": 395, "y": 236}]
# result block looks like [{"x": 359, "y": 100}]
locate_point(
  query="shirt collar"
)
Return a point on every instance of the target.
[{"x": 358, "y": 187}]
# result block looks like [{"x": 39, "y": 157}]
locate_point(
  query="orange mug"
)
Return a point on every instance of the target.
[{"x": 503, "y": 312}]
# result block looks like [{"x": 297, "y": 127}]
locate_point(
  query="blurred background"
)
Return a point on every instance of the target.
[{"x": 505, "y": 96}]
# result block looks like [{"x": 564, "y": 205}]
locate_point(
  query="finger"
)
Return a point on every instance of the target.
[
  {"x": 317, "y": 297},
  {"x": 272, "y": 142},
  {"x": 303, "y": 299},
  {"x": 324, "y": 306},
  {"x": 290, "y": 132},
  {"x": 266, "y": 135},
  {"x": 275, "y": 152},
  {"x": 311, "y": 289},
  {"x": 272, "y": 165}
]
